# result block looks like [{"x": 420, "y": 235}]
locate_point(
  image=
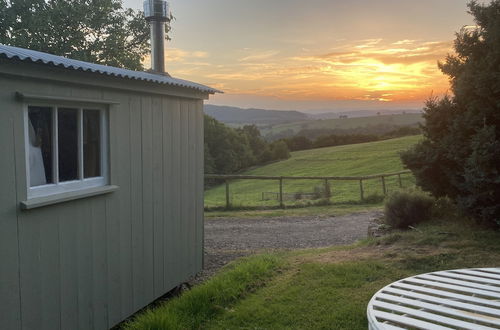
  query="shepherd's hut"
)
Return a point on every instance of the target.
[{"x": 101, "y": 187}]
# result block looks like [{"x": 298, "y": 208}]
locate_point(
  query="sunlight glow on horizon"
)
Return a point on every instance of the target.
[
  {"x": 324, "y": 54},
  {"x": 368, "y": 70}
]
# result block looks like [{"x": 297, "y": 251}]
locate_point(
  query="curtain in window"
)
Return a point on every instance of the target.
[{"x": 37, "y": 169}]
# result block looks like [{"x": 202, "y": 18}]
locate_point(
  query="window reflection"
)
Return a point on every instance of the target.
[
  {"x": 91, "y": 143},
  {"x": 67, "y": 129}
]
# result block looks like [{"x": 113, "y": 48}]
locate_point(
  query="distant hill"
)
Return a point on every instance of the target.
[
  {"x": 377, "y": 125},
  {"x": 362, "y": 113},
  {"x": 234, "y": 115}
]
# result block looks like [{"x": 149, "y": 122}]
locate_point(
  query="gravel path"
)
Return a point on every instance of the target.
[{"x": 228, "y": 239}]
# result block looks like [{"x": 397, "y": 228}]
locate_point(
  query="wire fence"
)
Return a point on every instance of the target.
[{"x": 246, "y": 191}]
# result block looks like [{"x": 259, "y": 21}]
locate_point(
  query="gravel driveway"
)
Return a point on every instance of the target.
[{"x": 228, "y": 239}]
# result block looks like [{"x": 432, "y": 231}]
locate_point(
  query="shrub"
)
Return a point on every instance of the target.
[
  {"x": 404, "y": 208},
  {"x": 445, "y": 208}
]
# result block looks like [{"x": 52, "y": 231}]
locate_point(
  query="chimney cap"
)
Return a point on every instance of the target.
[{"x": 156, "y": 10}]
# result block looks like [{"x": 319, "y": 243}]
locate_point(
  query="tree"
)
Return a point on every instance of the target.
[
  {"x": 459, "y": 156},
  {"x": 280, "y": 150},
  {"x": 298, "y": 142},
  {"x": 97, "y": 31},
  {"x": 255, "y": 140},
  {"x": 229, "y": 150}
]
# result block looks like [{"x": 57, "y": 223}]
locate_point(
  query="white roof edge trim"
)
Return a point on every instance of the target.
[{"x": 26, "y": 55}]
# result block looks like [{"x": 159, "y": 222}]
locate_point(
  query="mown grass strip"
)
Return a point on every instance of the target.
[
  {"x": 205, "y": 302},
  {"x": 312, "y": 296}
]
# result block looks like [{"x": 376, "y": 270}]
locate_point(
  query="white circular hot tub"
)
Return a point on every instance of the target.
[{"x": 453, "y": 299}]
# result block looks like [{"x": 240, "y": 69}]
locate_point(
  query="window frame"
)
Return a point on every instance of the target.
[{"x": 81, "y": 183}]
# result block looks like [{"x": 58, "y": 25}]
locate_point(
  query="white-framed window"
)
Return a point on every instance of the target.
[{"x": 66, "y": 148}]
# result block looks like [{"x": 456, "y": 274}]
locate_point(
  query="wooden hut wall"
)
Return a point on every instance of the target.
[{"x": 91, "y": 262}]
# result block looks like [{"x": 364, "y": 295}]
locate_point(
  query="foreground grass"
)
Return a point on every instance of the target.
[
  {"x": 323, "y": 288},
  {"x": 212, "y": 298},
  {"x": 351, "y": 160}
]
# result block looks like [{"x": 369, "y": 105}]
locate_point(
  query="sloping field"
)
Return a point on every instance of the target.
[
  {"x": 351, "y": 160},
  {"x": 347, "y": 123}
]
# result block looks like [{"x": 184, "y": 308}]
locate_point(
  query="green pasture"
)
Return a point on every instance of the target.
[{"x": 351, "y": 160}]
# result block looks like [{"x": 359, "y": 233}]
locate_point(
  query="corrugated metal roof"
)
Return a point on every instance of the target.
[{"x": 39, "y": 57}]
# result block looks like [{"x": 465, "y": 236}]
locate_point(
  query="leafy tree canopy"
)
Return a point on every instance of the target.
[
  {"x": 229, "y": 150},
  {"x": 97, "y": 31},
  {"x": 460, "y": 154}
]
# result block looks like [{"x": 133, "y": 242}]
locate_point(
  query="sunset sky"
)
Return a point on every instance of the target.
[{"x": 317, "y": 54}]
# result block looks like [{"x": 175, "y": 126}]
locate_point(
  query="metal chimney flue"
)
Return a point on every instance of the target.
[{"x": 157, "y": 13}]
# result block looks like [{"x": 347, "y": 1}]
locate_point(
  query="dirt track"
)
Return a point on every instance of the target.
[{"x": 228, "y": 239}]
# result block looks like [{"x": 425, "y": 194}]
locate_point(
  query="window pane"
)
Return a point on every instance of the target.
[
  {"x": 91, "y": 143},
  {"x": 40, "y": 145},
  {"x": 67, "y": 129}
]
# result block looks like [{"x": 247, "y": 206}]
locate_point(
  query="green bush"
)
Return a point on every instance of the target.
[
  {"x": 404, "y": 208},
  {"x": 446, "y": 209}
]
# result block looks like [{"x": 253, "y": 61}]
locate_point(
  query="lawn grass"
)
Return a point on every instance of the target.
[
  {"x": 351, "y": 160},
  {"x": 313, "y": 296},
  {"x": 323, "y": 288},
  {"x": 211, "y": 299}
]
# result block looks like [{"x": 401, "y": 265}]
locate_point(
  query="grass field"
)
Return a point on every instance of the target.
[
  {"x": 322, "y": 288},
  {"x": 346, "y": 123},
  {"x": 351, "y": 160}
]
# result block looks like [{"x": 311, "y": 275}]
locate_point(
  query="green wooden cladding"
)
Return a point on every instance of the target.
[{"x": 88, "y": 263}]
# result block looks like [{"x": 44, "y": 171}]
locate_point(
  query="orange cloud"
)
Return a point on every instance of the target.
[{"x": 373, "y": 69}]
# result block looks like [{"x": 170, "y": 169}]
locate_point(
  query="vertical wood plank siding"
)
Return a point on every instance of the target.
[
  {"x": 90, "y": 263},
  {"x": 200, "y": 172},
  {"x": 10, "y": 313}
]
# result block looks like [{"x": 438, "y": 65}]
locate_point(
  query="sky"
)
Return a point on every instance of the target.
[{"x": 315, "y": 55}]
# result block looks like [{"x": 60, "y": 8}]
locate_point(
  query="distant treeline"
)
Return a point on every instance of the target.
[
  {"x": 315, "y": 133},
  {"x": 300, "y": 142},
  {"x": 229, "y": 150}
]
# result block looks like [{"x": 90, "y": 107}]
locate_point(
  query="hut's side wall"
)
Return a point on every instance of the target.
[
  {"x": 90, "y": 263},
  {"x": 10, "y": 312}
]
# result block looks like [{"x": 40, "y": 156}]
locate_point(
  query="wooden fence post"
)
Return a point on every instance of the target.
[
  {"x": 328, "y": 193},
  {"x": 361, "y": 190},
  {"x": 326, "y": 182},
  {"x": 281, "y": 193},
  {"x": 228, "y": 202}
]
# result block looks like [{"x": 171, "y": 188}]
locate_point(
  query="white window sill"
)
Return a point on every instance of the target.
[{"x": 37, "y": 202}]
